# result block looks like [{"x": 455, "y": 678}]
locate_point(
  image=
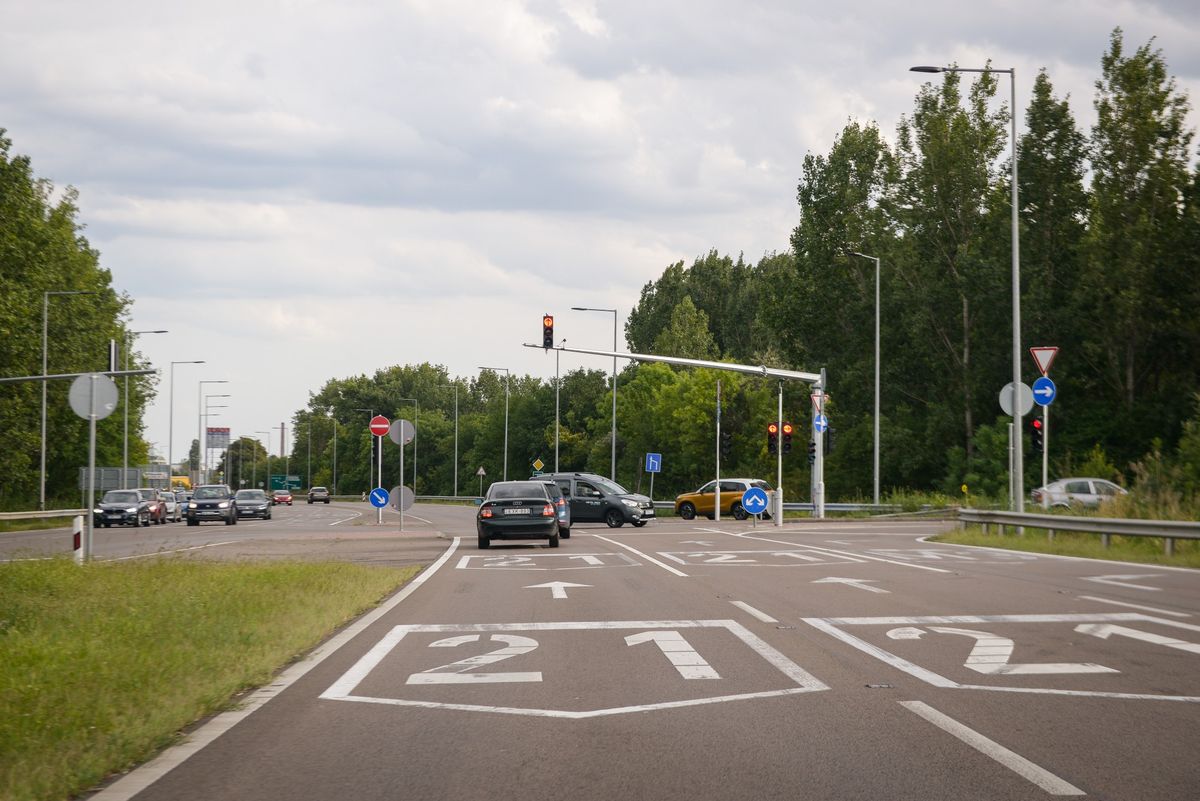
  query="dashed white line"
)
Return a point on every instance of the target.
[
  {"x": 750, "y": 610},
  {"x": 177, "y": 550},
  {"x": 1134, "y": 606},
  {"x": 1010, "y": 759}
]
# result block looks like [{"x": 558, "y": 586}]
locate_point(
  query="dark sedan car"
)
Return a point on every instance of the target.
[
  {"x": 212, "y": 502},
  {"x": 517, "y": 510},
  {"x": 253, "y": 503},
  {"x": 121, "y": 508}
]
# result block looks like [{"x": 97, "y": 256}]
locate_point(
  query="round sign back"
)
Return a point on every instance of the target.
[{"x": 93, "y": 395}]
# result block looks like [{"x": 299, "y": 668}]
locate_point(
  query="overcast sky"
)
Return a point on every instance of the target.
[{"x": 303, "y": 190}]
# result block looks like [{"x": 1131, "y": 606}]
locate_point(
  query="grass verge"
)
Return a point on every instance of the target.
[
  {"x": 1147, "y": 550},
  {"x": 103, "y": 665},
  {"x": 35, "y": 524}
]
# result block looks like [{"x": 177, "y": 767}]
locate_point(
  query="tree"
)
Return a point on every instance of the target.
[{"x": 687, "y": 334}]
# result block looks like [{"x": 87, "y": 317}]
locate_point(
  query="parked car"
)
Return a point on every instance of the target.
[
  {"x": 158, "y": 509},
  {"x": 704, "y": 500},
  {"x": 560, "y": 505},
  {"x": 212, "y": 502},
  {"x": 1066, "y": 492},
  {"x": 174, "y": 512},
  {"x": 281, "y": 496},
  {"x": 253, "y": 503},
  {"x": 121, "y": 508},
  {"x": 318, "y": 494},
  {"x": 593, "y": 498},
  {"x": 517, "y": 510}
]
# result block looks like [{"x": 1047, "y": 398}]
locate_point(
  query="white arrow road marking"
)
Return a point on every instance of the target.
[
  {"x": 907, "y": 633},
  {"x": 558, "y": 589},
  {"x": 1116, "y": 581},
  {"x": 990, "y": 656},
  {"x": 1106, "y": 630},
  {"x": 704, "y": 543},
  {"x": 862, "y": 584}
]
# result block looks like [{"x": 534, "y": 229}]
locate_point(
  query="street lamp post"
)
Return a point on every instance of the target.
[
  {"x": 254, "y": 475},
  {"x": 200, "y": 449},
  {"x": 455, "y": 385},
  {"x": 171, "y": 419},
  {"x": 506, "y": 374},
  {"x": 1018, "y": 470},
  {"x": 875, "y": 493},
  {"x": 125, "y": 403},
  {"x": 416, "y": 412},
  {"x": 557, "y": 393},
  {"x": 613, "y": 469},
  {"x": 371, "y": 455},
  {"x": 45, "y": 335}
]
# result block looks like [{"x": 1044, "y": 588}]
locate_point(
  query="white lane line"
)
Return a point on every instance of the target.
[
  {"x": 344, "y": 519},
  {"x": 750, "y": 610},
  {"x": 1154, "y": 609},
  {"x": 647, "y": 557},
  {"x": 177, "y": 550},
  {"x": 1010, "y": 759},
  {"x": 847, "y": 554},
  {"x": 140, "y": 778}
]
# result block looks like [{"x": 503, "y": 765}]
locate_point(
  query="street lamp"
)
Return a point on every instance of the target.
[
  {"x": 506, "y": 374},
  {"x": 557, "y": 394},
  {"x": 613, "y": 473},
  {"x": 416, "y": 411},
  {"x": 45, "y": 334},
  {"x": 875, "y": 493},
  {"x": 171, "y": 419},
  {"x": 254, "y": 473},
  {"x": 371, "y": 455},
  {"x": 125, "y": 459},
  {"x": 200, "y": 422},
  {"x": 1018, "y": 469},
  {"x": 455, "y": 385}
]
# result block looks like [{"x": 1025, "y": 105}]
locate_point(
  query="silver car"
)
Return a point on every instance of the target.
[
  {"x": 1066, "y": 492},
  {"x": 174, "y": 512}
]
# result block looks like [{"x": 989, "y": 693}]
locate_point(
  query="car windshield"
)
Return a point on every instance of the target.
[
  {"x": 517, "y": 489},
  {"x": 282, "y": 492},
  {"x": 205, "y": 493},
  {"x": 318, "y": 489},
  {"x": 251, "y": 495},
  {"x": 611, "y": 487},
  {"x": 120, "y": 497},
  {"x": 148, "y": 494}
]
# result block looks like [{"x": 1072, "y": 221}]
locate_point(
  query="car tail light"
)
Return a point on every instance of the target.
[
  {"x": 561, "y": 502},
  {"x": 485, "y": 511},
  {"x": 548, "y": 510}
]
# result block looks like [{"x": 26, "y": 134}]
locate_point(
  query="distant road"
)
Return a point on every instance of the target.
[{"x": 693, "y": 660}]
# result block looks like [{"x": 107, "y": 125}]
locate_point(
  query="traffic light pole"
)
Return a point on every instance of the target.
[
  {"x": 779, "y": 468},
  {"x": 1045, "y": 454},
  {"x": 717, "y": 507}
]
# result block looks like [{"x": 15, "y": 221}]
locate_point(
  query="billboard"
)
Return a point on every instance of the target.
[{"x": 217, "y": 437}]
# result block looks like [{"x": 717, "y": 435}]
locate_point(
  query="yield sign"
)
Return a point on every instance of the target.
[{"x": 1043, "y": 357}]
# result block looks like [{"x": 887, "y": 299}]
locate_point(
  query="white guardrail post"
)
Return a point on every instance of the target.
[{"x": 1168, "y": 530}]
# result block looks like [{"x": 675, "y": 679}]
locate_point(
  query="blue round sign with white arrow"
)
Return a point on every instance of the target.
[
  {"x": 754, "y": 500},
  {"x": 379, "y": 497},
  {"x": 820, "y": 423},
  {"x": 1044, "y": 391}
]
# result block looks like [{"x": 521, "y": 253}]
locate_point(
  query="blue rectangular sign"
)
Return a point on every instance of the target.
[{"x": 653, "y": 462}]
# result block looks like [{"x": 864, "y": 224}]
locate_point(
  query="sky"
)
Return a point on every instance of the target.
[{"x": 302, "y": 190}]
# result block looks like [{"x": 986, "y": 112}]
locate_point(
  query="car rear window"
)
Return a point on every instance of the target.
[
  {"x": 120, "y": 497},
  {"x": 518, "y": 489}
]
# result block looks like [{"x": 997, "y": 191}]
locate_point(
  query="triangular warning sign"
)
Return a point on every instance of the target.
[{"x": 1043, "y": 357}]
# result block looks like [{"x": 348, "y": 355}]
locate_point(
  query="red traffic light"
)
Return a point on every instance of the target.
[{"x": 1036, "y": 424}]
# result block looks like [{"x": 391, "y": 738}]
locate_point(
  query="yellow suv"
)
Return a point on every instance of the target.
[{"x": 704, "y": 500}]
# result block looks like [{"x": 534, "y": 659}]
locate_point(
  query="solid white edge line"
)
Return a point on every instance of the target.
[
  {"x": 142, "y": 777},
  {"x": 1010, "y": 759},
  {"x": 177, "y": 550},
  {"x": 1154, "y": 609},
  {"x": 344, "y": 519},
  {"x": 750, "y": 610},
  {"x": 1110, "y": 562},
  {"x": 647, "y": 557}
]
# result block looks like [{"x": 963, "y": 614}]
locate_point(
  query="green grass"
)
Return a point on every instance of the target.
[
  {"x": 1147, "y": 550},
  {"x": 102, "y": 665},
  {"x": 36, "y": 524}
]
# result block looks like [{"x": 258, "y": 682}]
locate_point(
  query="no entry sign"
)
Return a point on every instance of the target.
[{"x": 379, "y": 425}]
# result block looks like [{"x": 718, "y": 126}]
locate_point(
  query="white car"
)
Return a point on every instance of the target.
[
  {"x": 174, "y": 512},
  {"x": 1088, "y": 492}
]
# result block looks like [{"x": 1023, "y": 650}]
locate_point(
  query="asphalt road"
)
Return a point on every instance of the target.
[{"x": 695, "y": 660}]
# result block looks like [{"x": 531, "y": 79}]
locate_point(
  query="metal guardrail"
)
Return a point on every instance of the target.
[
  {"x": 42, "y": 515},
  {"x": 1169, "y": 530}
]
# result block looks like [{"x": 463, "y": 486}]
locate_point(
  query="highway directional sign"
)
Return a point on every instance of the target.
[
  {"x": 754, "y": 500},
  {"x": 379, "y": 497},
  {"x": 820, "y": 423},
  {"x": 1044, "y": 391},
  {"x": 653, "y": 462}
]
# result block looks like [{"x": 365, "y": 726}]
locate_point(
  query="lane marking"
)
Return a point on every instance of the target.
[
  {"x": 1154, "y": 609},
  {"x": 853, "y": 556},
  {"x": 647, "y": 557},
  {"x": 142, "y": 777},
  {"x": 862, "y": 584},
  {"x": 344, "y": 519},
  {"x": 1040, "y": 555},
  {"x": 990, "y": 748},
  {"x": 750, "y": 610},
  {"x": 1116, "y": 580},
  {"x": 177, "y": 550}
]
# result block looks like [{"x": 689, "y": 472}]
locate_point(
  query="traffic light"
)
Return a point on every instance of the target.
[
  {"x": 1035, "y": 433},
  {"x": 726, "y": 443},
  {"x": 812, "y": 451},
  {"x": 787, "y": 437},
  {"x": 772, "y": 438},
  {"x": 830, "y": 439},
  {"x": 547, "y": 331}
]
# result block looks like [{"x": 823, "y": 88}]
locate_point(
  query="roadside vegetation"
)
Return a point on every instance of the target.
[{"x": 104, "y": 665}]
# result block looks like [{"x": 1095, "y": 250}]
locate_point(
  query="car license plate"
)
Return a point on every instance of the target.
[{"x": 521, "y": 511}]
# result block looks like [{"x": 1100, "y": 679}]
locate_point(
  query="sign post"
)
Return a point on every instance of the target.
[
  {"x": 379, "y": 427},
  {"x": 93, "y": 397},
  {"x": 653, "y": 465},
  {"x": 401, "y": 432},
  {"x": 1044, "y": 393}
]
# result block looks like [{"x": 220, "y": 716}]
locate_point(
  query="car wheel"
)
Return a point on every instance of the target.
[
  {"x": 687, "y": 511},
  {"x": 565, "y": 532},
  {"x": 105, "y": 525},
  {"x": 484, "y": 541},
  {"x": 191, "y": 522},
  {"x": 739, "y": 513},
  {"x": 310, "y": 501},
  {"x": 554, "y": 540},
  {"x": 326, "y": 501},
  {"x": 614, "y": 518},
  {"x": 146, "y": 521},
  {"x": 639, "y": 523},
  {"x": 267, "y": 516}
]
